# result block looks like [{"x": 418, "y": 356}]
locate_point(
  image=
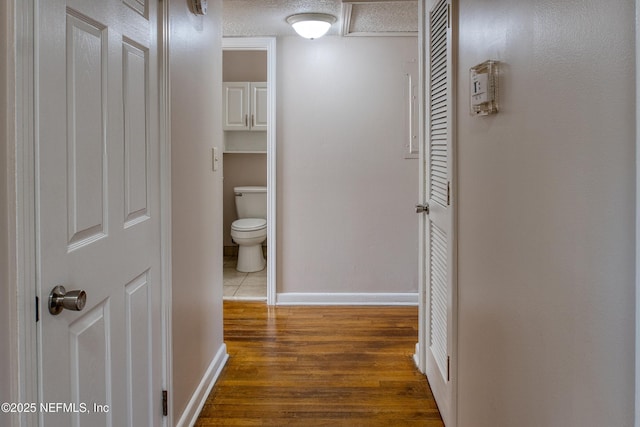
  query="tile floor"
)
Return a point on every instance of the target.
[{"x": 243, "y": 286}]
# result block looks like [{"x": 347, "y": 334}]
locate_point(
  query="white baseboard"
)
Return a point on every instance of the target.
[
  {"x": 295, "y": 298},
  {"x": 191, "y": 412}
]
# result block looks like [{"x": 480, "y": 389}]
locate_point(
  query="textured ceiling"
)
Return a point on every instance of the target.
[
  {"x": 268, "y": 17},
  {"x": 387, "y": 17}
]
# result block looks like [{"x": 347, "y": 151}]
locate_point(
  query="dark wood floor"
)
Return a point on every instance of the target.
[{"x": 320, "y": 366}]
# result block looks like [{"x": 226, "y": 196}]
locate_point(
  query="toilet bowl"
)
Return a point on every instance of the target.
[
  {"x": 250, "y": 230},
  {"x": 249, "y": 233}
]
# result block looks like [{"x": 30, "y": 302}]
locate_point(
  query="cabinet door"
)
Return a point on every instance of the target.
[
  {"x": 235, "y": 106},
  {"x": 259, "y": 106}
]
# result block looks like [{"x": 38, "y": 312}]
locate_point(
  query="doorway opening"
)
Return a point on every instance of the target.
[{"x": 249, "y": 158}]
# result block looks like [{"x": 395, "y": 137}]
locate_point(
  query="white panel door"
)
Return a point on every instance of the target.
[
  {"x": 439, "y": 225},
  {"x": 98, "y": 213},
  {"x": 259, "y": 106},
  {"x": 235, "y": 108}
]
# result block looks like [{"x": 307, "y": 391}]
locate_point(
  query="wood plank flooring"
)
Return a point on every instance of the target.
[{"x": 320, "y": 366}]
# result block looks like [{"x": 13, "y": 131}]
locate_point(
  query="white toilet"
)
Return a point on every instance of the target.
[{"x": 250, "y": 229}]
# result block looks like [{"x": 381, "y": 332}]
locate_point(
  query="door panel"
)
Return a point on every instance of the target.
[
  {"x": 89, "y": 338},
  {"x": 236, "y": 106},
  {"x": 438, "y": 292},
  {"x": 439, "y": 230},
  {"x": 139, "y": 6},
  {"x": 98, "y": 211},
  {"x": 136, "y": 173},
  {"x": 259, "y": 106},
  {"x": 86, "y": 143},
  {"x": 139, "y": 330}
]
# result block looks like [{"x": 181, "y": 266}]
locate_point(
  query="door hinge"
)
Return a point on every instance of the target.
[
  {"x": 448, "y": 193},
  {"x": 165, "y": 405},
  {"x": 37, "y": 309},
  {"x": 448, "y": 368},
  {"x": 448, "y": 16}
]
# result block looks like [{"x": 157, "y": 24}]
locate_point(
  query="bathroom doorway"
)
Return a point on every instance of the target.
[{"x": 249, "y": 156}]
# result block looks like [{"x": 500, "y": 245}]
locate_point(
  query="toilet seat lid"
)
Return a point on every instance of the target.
[{"x": 249, "y": 224}]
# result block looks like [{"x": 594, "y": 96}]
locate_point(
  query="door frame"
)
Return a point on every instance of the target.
[
  {"x": 164, "y": 135},
  {"x": 24, "y": 349},
  {"x": 637, "y": 231},
  {"x": 267, "y": 44},
  {"x": 21, "y": 142}
]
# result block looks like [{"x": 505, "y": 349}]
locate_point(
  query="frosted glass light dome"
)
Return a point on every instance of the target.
[{"x": 311, "y": 25}]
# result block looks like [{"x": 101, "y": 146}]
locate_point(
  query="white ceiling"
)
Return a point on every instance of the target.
[{"x": 355, "y": 17}]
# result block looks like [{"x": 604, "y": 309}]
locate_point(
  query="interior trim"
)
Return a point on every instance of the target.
[
  {"x": 340, "y": 298},
  {"x": 24, "y": 356},
  {"x": 637, "y": 319},
  {"x": 164, "y": 119},
  {"x": 194, "y": 406}
]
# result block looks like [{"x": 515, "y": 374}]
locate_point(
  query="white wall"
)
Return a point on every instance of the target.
[
  {"x": 244, "y": 66},
  {"x": 195, "y": 61},
  {"x": 546, "y": 216},
  {"x": 345, "y": 193}
]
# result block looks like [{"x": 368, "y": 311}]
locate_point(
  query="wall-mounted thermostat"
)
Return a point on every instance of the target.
[
  {"x": 483, "y": 81},
  {"x": 199, "y": 7}
]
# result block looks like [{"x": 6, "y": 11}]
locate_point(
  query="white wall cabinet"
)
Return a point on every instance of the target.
[{"x": 245, "y": 106}]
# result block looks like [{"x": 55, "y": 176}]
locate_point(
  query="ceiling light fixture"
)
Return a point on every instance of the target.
[{"x": 311, "y": 25}]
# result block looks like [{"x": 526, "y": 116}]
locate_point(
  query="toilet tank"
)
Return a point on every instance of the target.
[{"x": 251, "y": 202}]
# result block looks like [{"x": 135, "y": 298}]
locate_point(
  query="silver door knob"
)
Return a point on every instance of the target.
[
  {"x": 59, "y": 299},
  {"x": 422, "y": 208}
]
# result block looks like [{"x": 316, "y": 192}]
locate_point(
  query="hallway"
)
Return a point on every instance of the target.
[{"x": 312, "y": 366}]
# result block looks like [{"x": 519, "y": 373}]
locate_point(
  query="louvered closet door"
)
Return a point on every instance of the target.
[{"x": 439, "y": 248}]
